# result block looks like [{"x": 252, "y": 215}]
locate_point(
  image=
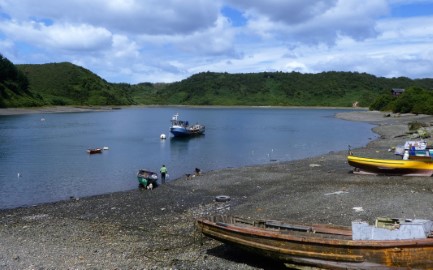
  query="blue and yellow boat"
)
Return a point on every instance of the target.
[{"x": 409, "y": 167}]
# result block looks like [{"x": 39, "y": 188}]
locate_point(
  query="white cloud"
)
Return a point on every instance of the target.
[
  {"x": 128, "y": 16},
  {"x": 215, "y": 40},
  {"x": 161, "y": 41},
  {"x": 123, "y": 48},
  {"x": 320, "y": 22},
  {"x": 63, "y": 37},
  {"x": 78, "y": 37},
  {"x": 288, "y": 12}
]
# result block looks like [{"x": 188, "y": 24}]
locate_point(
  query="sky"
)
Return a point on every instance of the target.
[{"x": 134, "y": 41}]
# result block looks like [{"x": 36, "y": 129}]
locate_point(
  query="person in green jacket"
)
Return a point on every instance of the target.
[{"x": 163, "y": 172}]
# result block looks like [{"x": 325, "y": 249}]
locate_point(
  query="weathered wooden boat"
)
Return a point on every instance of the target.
[
  {"x": 94, "y": 150},
  {"x": 409, "y": 167},
  {"x": 390, "y": 244},
  {"x": 180, "y": 128},
  {"x": 146, "y": 177}
]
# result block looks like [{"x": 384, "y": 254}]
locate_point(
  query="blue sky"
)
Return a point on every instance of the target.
[{"x": 137, "y": 41}]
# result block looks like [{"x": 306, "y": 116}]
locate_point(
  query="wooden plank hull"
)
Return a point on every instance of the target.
[
  {"x": 326, "y": 246},
  {"x": 391, "y": 166}
]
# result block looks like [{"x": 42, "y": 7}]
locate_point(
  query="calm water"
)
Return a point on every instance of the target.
[{"x": 51, "y": 160}]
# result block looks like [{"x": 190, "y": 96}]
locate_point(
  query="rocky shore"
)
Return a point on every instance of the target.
[{"x": 155, "y": 229}]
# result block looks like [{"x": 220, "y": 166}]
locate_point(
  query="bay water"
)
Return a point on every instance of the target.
[{"x": 43, "y": 157}]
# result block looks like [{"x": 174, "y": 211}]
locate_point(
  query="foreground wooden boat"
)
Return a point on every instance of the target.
[
  {"x": 410, "y": 167},
  {"x": 328, "y": 246}
]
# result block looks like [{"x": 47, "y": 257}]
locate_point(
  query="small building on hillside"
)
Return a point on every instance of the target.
[{"x": 397, "y": 91}]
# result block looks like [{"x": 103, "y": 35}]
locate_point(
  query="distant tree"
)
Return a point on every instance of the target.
[
  {"x": 382, "y": 102},
  {"x": 413, "y": 100},
  {"x": 22, "y": 80},
  {"x": 8, "y": 71}
]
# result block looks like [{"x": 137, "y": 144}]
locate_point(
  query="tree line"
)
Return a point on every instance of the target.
[
  {"x": 69, "y": 84},
  {"x": 413, "y": 100},
  {"x": 14, "y": 86}
]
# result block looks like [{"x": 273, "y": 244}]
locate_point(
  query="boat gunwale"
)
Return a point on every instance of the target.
[
  {"x": 403, "y": 164},
  {"x": 315, "y": 238}
]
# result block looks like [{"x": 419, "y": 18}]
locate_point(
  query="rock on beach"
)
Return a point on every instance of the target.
[{"x": 143, "y": 229}]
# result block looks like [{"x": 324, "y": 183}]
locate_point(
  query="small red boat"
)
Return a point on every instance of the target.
[{"x": 94, "y": 151}]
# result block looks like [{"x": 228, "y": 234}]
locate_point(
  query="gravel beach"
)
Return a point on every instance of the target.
[{"x": 142, "y": 229}]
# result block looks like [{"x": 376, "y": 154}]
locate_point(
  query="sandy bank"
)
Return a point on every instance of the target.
[{"x": 155, "y": 229}]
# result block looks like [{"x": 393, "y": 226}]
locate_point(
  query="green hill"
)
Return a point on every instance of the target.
[
  {"x": 339, "y": 89},
  {"x": 68, "y": 84},
  {"x": 14, "y": 90}
]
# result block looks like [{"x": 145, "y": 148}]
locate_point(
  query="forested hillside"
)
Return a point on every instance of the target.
[
  {"x": 283, "y": 89},
  {"x": 14, "y": 87},
  {"x": 412, "y": 100},
  {"x": 68, "y": 84}
]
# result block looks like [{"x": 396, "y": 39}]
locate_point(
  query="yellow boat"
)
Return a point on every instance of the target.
[{"x": 391, "y": 166}]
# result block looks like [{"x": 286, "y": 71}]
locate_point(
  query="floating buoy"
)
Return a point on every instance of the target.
[
  {"x": 162, "y": 136},
  {"x": 222, "y": 198}
]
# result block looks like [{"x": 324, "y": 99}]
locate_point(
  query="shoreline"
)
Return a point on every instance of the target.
[
  {"x": 52, "y": 109},
  {"x": 155, "y": 229},
  {"x": 75, "y": 109}
]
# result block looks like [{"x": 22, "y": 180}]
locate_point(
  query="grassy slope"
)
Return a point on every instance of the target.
[{"x": 68, "y": 84}]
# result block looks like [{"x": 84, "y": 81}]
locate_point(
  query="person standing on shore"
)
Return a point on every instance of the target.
[{"x": 163, "y": 172}]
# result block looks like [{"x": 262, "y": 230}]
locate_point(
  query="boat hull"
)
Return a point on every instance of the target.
[
  {"x": 390, "y": 166},
  {"x": 184, "y": 132},
  {"x": 318, "y": 246},
  {"x": 94, "y": 151}
]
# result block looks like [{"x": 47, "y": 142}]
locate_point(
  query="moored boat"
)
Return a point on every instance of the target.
[
  {"x": 180, "y": 128},
  {"x": 411, "y": 167},
  {"x": 402, "y": 244},
  {"x": 94, "y": 150}
]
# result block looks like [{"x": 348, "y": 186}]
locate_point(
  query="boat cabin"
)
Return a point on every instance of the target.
[
  {"x": 176, "y": 122},
  {"x": 392, "y": 229}
]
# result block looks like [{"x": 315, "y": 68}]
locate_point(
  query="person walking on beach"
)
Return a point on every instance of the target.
[{"x": 163, "y": 171}]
